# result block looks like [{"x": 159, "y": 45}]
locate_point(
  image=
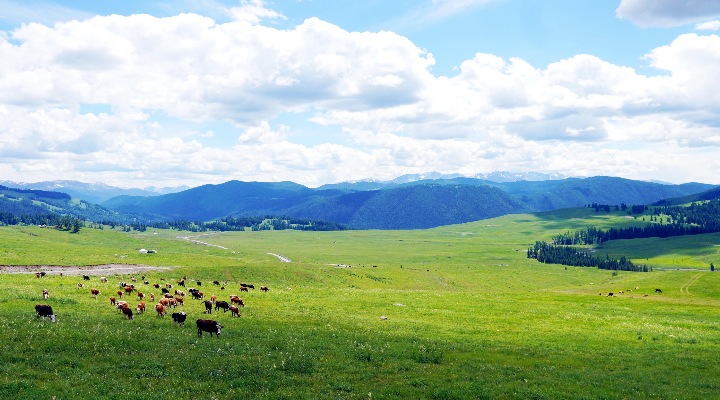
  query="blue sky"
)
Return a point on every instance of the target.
[{"x": 297, "y": 90}]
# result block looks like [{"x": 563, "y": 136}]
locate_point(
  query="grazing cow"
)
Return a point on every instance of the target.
[
  {"x": 37, "y": 274},
  {"x": 264, "y": 288},
  {"x": 199, "y": 283},
  {"x": 85, "y": 277},
  {"x": 212, "y": 298},
  {"x": 180, "y": 293},
  {"x": 179, "y": 318},
  {"x": 160, "y": 309},
  {"x": 181, "y": 283},
  {"x": 610, "y": 294},
  {"x": 207, "y": 325},
  {"x": 637, "y": 288},
  {"x": 234, "y": 311},
  {"x": 196, "y": 295},
  {"x": 165, "y": 302},
  {"x": 243, "y": 284},
  {"x": 216, "y": 283},
  {"x": 152, "y": 296},
  {"x": 133, "y": 279},
  {"x": 43, "y": 311},
  {"x": 658, "y": 291},
  {"x": 103, "y": 279},
  {"x": 645, "y": 295},
  {"x": 222, "y": 288},
  {"x": 156, "y": 286},
  {"x": 243, "y": 289},
  {"x": 80, "y": 285},
  {"x": 172, "y": 302},
  {"x": 42, "y": 274},
  {"x": 94, "y": 293},
  {"x": 146, "y": 282},
  {"x": 237, "y": 300},
  {"x": 46, "y": 294},
  {"x": 112, "y": 301},
  {"x": 122, "y": 284},
  {"x": 168, "y": 296},
  {"x": 141, "y": 307},
  {"x": 128, "y": 313},
  {"x": 120, "y": 293},
  {"x": 208, "y": 307},
  {"x": 141, "y": 295},
  {"x": 129, "y": 289},
  {"x": 179, "y": 300},
  {"x": 202, "y": 296},
  {"x": 621, "y": 292},
  {"x": 221, "y": 304},
  {"x": 169, "y": 286},
  {"x": 164, "y": 290},
  {"x": 251, "y": 287}
]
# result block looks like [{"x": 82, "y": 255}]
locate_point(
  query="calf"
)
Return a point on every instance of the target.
[
  {"x": 160, "y": 309},
  {"x": 199, "y": 283},
  {"x": 207, "y": 325},
  {"x": 221, "y": 304},
  {"x": 133, "y": 279},
  {"x": 179, "y": 318},
  {"x": 208, "y": 307},
  {"x": 212, "y": 298},
  {"x": 119, "y": 292},
  {"x": 46, "y": 294},
  {"x": 264, "y": 288},
  {"x": 169, "y": 286},
  {"x": 43, "y": 311},
  {"x": 181, "y": 283},
  {"x": 216, "y": 283},
  {"x": 94, "y": 293},
  {"x": 141, "y": 307},
  {"x": 112, "y": 301},
  {"x": 80, "y": 285},
  {"x": 128, "y": 313},
  {"x": 234, "y": 311},
  {"x": 152, "y": 296},
  {"x": 235, "y": 299}
]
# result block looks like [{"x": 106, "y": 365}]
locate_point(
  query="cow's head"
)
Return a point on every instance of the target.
[
  {"x": 219, "y": 327},
  {"x": 52, "y": 318}
]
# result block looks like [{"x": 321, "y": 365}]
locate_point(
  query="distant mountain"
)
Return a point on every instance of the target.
[
  {"x": 28, "y": 201},
  {"x": 504, "y": 176},
  {"x": 92, "y": 192},
  {"x": 711, "y": 194}
]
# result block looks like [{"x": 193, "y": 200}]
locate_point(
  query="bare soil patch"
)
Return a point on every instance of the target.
[{"x": 104, "y": 269}]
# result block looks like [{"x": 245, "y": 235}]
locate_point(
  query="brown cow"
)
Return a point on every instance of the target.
[
  {"x": 165, "y": 302},
  {"x": 141, "y": 295},
  {"x": 120, "y": 305},
  {"x": 46, "y": 294},
  {"x": 141, "y": 307},
  {"x": 172, "y": 302},
  {"x": 94, "y": 293},
  {"x": 160, "y": 309},
  {"x": 156, "y": 286},
  {"x": 264, "y": 288},
  {"x": 243, "y": 289},
  {"x": 179, "y": 300},
  {"x": 128, "y": 313},
  {"x": 133, "y": 279},
  {"x": 234, "y": 311},
  {"x": 80, "y": 285},
  {"x": 119, "y": 292},
  {"x": 129, "y": 289},
  {"x": 168, "y": 296},
  {"x": 237, "y": 300},
  {"x": 112, "y": 301},
  {"x": 212, "y": 298},
  {"x": 645, "y": 295}
]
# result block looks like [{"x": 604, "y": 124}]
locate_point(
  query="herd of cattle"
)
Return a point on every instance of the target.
[
  {"x": 612, "y": 294},
  {"x": 164, "y": 303}
]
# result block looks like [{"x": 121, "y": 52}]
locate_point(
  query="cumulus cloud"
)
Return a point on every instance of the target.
[
  {"x": 708, "y": 26},
  {"x": 667, "y": 13},
  {"x": 575, "y": 116}
]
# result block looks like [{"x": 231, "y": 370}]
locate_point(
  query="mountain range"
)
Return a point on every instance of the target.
[{"x": 92, "y": 192}]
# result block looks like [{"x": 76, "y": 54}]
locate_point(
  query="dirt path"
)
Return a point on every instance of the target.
[
  {"x": 282, "y": 259},
  {"x": 189, "y": 239},
  {"x": 104, "y": 269},
  {"x": 692, "y": 280}
]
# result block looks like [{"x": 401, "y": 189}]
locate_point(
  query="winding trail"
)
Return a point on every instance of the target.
[
  {"x": 188, "y": 238},
  {"x": 692, "y": 280},
  {"x": 281, "y": 258}
]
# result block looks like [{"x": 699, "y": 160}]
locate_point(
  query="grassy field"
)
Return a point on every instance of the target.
[{"x": 468, "y": 316}]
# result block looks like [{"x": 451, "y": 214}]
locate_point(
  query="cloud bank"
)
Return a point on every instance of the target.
[
  {"x": 667, "y": 13},
  {"x": 580, "y": 115}
]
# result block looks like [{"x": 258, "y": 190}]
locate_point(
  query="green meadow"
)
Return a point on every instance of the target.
[{"x": 468, "y": 316}]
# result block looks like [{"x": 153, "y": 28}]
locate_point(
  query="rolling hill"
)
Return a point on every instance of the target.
[{"x": 91, "y": 192}]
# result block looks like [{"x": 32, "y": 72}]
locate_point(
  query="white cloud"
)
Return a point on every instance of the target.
[
  {"x": 39, "y": 11},
  {"x": 667, "y": 13},
  {"x": 708, "y": 26},
  {"x": 579, "y": 115}
]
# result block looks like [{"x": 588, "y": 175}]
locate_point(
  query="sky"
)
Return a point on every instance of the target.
[{"x": 143, "y": 93}]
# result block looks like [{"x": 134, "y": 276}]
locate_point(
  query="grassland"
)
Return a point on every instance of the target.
[{"x": 477, "y": 318}]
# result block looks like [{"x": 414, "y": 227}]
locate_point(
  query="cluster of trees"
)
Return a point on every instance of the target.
[
  {"x": 634, "y": 209},
  {"x": 698, "y": 218},
  {"x": 259, "y": 223},
  {"x": 65, "y": 222},
  {"x": 566, "y": 255}
]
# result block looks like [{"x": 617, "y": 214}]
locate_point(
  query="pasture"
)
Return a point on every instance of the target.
[{"x": 468, "y": 316}]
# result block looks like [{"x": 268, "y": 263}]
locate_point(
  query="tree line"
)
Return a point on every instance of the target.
[{"x": 570, "y": 256}]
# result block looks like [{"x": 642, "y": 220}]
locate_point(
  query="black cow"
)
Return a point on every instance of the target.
[
  {"x": 165, "y": 290},
  {"x": 208, "y": 307},
  {"x": 199, "y": 283},
  {"x": 208, "y": 325},
  {"x": 179, "y": 318},
  {"x": 251, "y": 287},
  {"x": 658, "y": 291},
  {"x": 196, "y": 295},
  {"x": 44, "y": 311},
  {"x": 222, "y": 304},
  {"x": 217, "y": 283},
  {"x": 87, "y": 278}
]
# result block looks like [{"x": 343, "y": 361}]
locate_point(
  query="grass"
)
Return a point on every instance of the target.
[{"x": 476, "y": 318}]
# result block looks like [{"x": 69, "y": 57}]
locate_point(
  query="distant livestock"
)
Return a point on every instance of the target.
[
  {"x": 112, "y": 301},
  {"x": 44, "y": 311},
  {"x": 658, "y": 291},
  {"x": 103, "y": 279},
  {"x": 221, "y": 304},
  {"x": 46, "y": 294},
  {"x": 234, "y": 310},
  {"x": 94, "y": 293},
  {"x": 243, "y": 289},
  {"x": 85, "y": 277},
  {"x": 208, "y": 307},
  {"x": 127, "y": 311},
  {"x": 264, "y": 288},
  {"x": 160, "y": 309},
  {"x": 207, "y": 325},
  {"x": 141, "y": 307}
]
